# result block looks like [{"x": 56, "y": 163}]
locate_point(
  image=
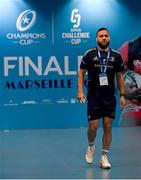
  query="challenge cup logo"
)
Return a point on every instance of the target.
[{"x": 75, "y": 18}]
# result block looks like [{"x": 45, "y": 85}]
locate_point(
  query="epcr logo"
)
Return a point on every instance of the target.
[
  {"x": 26, "y": 20},
  {"x": 75, "y": 18}
]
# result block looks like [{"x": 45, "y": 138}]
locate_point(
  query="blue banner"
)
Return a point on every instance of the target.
[{"x": 42, "y": 44}]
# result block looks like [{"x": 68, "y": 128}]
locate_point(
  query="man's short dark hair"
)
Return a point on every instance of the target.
[{"x": 101, "y": 29}]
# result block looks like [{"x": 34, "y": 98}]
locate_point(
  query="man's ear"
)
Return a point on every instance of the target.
[{"x": 96, "y": 39}]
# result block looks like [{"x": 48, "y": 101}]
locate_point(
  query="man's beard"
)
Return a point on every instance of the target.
[{"x": 103, "y": 46}]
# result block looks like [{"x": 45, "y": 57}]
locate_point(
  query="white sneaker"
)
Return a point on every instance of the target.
[
  {"x": 104, "y": 163},
  {"x": 89, "y": 154}
]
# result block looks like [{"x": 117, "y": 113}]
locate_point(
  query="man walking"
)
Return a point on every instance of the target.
[{"x": 102, "y": 64}]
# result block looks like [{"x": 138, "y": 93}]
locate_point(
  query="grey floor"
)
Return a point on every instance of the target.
[{"x": 59, "y": 154}]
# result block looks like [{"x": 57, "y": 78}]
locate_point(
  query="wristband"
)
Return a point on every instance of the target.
[{"x": 121, "y": 94}]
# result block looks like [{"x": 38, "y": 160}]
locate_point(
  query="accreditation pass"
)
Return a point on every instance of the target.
[{"x": 103, "y": 79}]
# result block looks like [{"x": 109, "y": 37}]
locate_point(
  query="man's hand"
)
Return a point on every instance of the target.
[{"x": 81, "y": 97}]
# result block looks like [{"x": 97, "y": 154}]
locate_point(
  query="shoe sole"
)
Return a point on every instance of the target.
[{"x": 108, "y": 167}]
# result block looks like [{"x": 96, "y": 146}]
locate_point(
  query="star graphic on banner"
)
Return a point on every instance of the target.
[{"x": 25, "y": 20}]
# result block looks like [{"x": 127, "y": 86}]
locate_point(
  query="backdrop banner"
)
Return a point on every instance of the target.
[{"x": 41, "y": 44}]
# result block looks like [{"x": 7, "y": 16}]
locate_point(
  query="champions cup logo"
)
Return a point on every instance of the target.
[
  {"x": 75, "y": 18},
  {"x": 26, "y": 20}
]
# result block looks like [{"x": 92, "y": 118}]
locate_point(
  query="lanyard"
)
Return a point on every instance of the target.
[{"x": 103, "y": 68}]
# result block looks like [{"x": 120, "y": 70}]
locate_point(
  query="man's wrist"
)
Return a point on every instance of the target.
[{"x": 122, "y": 94}]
